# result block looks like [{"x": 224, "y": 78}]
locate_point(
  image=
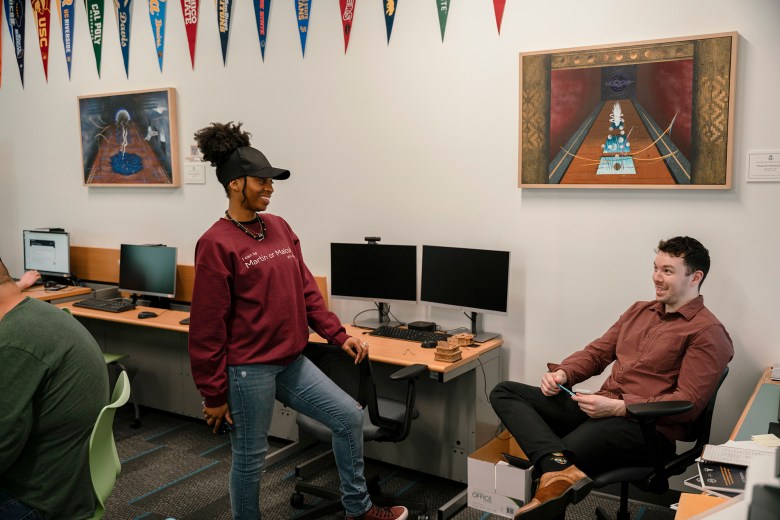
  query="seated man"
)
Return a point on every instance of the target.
[
  {"x": 669, "y": 349},
  {"x": 53, "y": 384}
]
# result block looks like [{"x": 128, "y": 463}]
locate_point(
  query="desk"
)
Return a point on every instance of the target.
[
  {"x": 158, "y": 360},
  {"x": 760, "y": 410},
  {"x": 39, "y": 292},
  {"x": 455, "y": 414}
]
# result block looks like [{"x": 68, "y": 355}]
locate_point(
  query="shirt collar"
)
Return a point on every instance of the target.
[{"x": 687, "y": 311}]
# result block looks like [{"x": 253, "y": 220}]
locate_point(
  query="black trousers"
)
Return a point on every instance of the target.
[{"x": 543, "y": 425}]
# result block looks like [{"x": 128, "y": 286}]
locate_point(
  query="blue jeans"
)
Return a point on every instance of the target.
[
  {"x": 12, "y": 509},
  {"x": 304, "y": 388}
]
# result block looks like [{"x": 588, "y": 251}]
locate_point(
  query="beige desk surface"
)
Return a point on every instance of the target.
[
  {"x": 166, "y": 319},
  {"x": 40, "y": 293},
  {"x": 406, "y": 353},
  {"x": 763, "y": 380}
]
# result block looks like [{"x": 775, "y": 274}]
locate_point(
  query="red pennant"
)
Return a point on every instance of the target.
[
  {"x": 190, "y": 10},
  {"x": 42, "y": 18},
  {"x": 347, "y": 14},
  {"x": 498, "y": 6}
]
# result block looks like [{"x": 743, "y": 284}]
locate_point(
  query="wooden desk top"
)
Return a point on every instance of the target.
[
  {"x": 166, "y": 319},
  {"x": 39, "y": 292},
  {"x": 406, "y": 353},
  {"x": 771, "y": 390}
]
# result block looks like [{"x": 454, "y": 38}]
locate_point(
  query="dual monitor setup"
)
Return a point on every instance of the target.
[
  {"x": 144, "y": 270},
  {"x": 472, "y": 280}
]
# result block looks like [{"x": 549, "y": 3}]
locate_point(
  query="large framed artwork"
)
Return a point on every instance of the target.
[
  {"x": 652, "y": 114},
  {"x": 130, "y": 139}
]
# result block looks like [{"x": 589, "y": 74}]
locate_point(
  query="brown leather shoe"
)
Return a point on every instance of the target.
[{"x": 557, "y": 489}]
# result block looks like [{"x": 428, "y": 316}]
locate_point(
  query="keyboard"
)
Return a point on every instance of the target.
[
  {"x": 408, "y": 335},
  {"x": 115, "y": 305}
]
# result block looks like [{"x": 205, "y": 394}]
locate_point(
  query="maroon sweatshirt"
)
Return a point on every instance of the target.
[{"x": 252, "y": 302}]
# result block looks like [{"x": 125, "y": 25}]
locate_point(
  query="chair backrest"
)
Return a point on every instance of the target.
[
  {"x": 699, "y": 434},
  {"x": 104, "y": 463}
]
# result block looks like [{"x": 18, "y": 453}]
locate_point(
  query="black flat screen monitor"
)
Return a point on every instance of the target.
[
  {"x": 376, "y": 272},
  {"x": 474, "y": 280},
  {"x": 147, "y": 270},
  {"x": 48, "y": 252}
]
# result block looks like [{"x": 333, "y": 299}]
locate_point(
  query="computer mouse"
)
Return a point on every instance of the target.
[
  {"x": 146, "y": 314},
  {"x": 429, "y": 344},
  {"x": 185, "y": 321},
  {"x": 50, "y": 284}
]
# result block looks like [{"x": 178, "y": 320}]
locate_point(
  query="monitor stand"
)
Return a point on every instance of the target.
[
  {"x": 384, "y": 318},
  {"x": 476, "y": 325}
]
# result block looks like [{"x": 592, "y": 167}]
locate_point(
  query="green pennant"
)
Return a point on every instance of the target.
[
  {"x": 443, "y": 6},
  {"x": 95, "y": 23}
]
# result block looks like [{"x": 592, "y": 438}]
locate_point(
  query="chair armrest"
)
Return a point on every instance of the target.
[
  {"x": 658, "y": 409},
  {"x": 409, "y": 372}
]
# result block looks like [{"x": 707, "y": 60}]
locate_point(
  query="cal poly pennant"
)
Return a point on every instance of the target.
[{"x": 95, "y": 23}]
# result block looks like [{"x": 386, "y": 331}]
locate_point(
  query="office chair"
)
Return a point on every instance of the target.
[
  {"x": 103, "y": 459},
  {"x": 655, "y": 477},
  {"x": 387, "y": 420}
]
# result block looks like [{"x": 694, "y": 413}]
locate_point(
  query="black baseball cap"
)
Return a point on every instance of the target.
[{"x": 248, "y": 161}]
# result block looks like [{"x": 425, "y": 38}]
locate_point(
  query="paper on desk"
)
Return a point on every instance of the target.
[
  {"x": 769, "y": 440},
  {"x": 750, "y": 445}
]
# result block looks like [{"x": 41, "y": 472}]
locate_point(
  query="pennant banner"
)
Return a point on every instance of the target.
[
  {"x": 67, "y": 13},
  {"x": 498, "y": 7},
  {"x": 14, "y": 17},
  {"x": 224, "y": 8},
  {"x": 302, "y": 8},
  {"x": 444, "y": 9},
  {"x": 123, "y": 19},
  {"x": 347, "y": 14},
  {"x": 190, "y": 10},
  {"x": 1, "y": 47},
  {"x": 42, "y": 11},
  {"x": 389, "y": 8},
  {"x": 262, "y": 8},
  {"x": 95, "y": 23},
  {"x": 157, "y": 17}
]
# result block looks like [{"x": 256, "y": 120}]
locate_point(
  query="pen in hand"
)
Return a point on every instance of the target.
[{"x": 565, "y": 389}]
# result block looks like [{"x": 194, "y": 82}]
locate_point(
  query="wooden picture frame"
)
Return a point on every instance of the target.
[
  {"x": 672, "y": 126},
  {"x": 130, "y": 139}
]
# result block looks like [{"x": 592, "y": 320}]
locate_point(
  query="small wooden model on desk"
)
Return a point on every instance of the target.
[{"x": 449, "y": 351}]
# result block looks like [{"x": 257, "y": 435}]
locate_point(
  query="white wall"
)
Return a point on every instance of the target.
[{"x": 416, "y": 142}]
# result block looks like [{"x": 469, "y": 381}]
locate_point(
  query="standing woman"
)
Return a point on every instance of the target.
[{"x": 252, "y": 304}]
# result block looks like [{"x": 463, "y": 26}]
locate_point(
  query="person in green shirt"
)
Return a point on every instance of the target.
[{"x": 53, "y": 384}]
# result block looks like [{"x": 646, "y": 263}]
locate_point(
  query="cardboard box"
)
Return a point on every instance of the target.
[{"x": 493, "y": 485}]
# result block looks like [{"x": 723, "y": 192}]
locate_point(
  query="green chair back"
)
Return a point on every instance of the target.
[{"x": 103, "y": 459}]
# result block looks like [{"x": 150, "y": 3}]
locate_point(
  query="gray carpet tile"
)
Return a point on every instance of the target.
[{"x": 174, "y": 467}]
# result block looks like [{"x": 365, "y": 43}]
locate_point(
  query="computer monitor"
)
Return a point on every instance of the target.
[
  {"x": 48, "y": 252},
  {"x": 474, "y": 280},
  {"x": 148, "y": 270},
  {"x": 375, "y": 272}
]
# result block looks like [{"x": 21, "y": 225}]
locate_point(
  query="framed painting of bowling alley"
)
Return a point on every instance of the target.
[
  {"x": 130, "y": 139},
  {"x": 652, "y": 114}
]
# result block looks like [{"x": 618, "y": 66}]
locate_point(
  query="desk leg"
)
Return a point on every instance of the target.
[{"x": 452, "y": 507}]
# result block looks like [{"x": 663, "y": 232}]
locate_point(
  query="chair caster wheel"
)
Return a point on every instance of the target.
[
  {"x": 297, "y": 500},
  {"x": 135, "y": 424}
]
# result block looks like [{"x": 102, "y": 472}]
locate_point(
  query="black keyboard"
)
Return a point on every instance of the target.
[
  {"x": 408, "y": 335},
  {"x": 116, "y": 305}
]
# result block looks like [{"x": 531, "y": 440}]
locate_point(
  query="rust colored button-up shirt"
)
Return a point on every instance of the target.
[{"x": 658, "y": 357}]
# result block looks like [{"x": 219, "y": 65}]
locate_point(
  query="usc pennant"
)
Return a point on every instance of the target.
[{"x": 42, "y": 19}]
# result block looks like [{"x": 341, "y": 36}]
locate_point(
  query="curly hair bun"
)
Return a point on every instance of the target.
[{"x": 218, "y": 141}]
